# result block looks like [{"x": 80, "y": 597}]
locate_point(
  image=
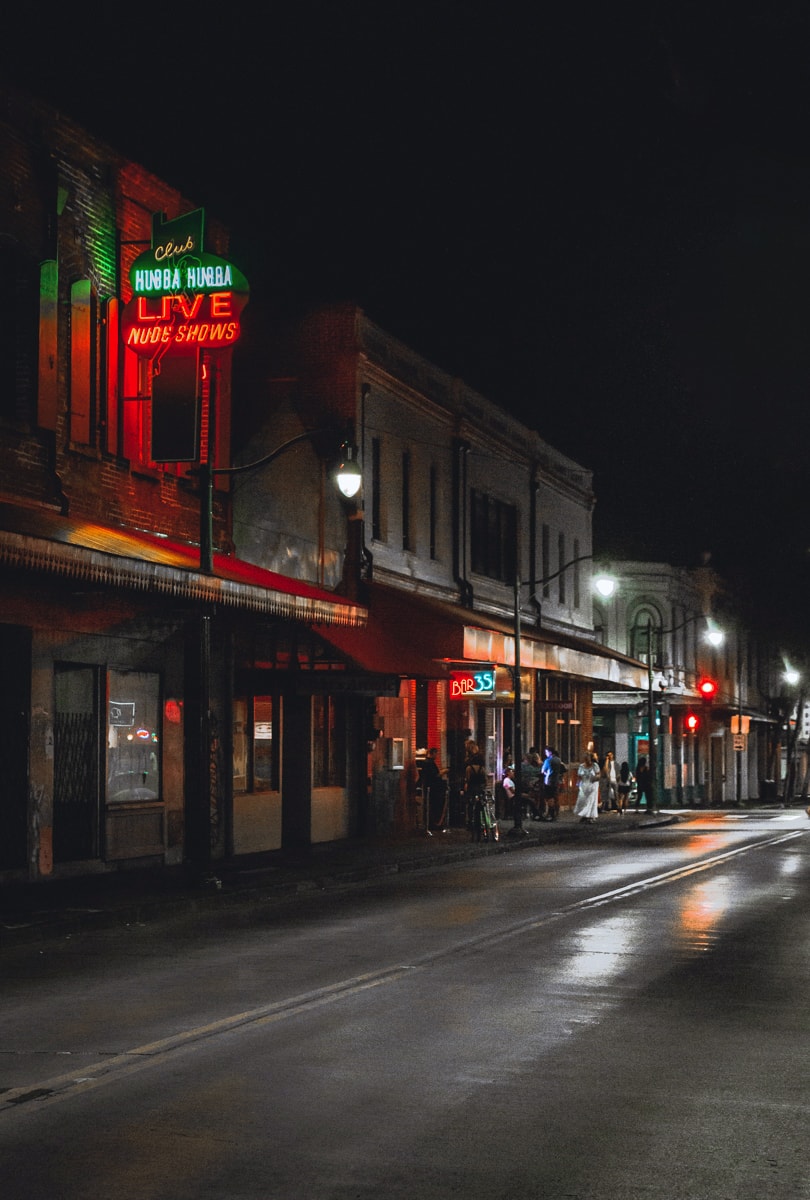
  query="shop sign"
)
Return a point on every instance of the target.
[
  {"x": 554, "y": 705},
  {"x": 472, "y": 684},
  {"x": 122, "y": 713},
  {"x": 183, "y": 298}
]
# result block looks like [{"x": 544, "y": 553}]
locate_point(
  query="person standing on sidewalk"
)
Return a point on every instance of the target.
[
  {"x": 623, "y": 787},
  {"x": 553, "y": 771},
  {"x": 434, "y": 786},
  {"x": 587, "y": 805},
  {"x": 475, "y": 786},
  {"x": 644, "y": 785},
  {"x": 611, "y": 793}
]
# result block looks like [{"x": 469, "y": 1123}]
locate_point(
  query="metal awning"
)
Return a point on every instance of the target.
[{"x": 137, "y": 560}]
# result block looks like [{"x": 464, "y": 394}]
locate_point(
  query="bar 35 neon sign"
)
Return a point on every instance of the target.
[{"x": 473, "y": 684}]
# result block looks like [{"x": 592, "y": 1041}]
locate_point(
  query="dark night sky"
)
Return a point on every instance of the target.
[{"x": 600, "y": 218}]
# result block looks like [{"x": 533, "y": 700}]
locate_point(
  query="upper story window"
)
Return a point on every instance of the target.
[
  {"x": 493, "y": 533},
  {"x": 545, "y": 550},
  {"x": 407, "y": 536},
  {"x": 18, "y": 300},
  {"x": 377, "y": 531},
  {"x": 645, "y": 637}
]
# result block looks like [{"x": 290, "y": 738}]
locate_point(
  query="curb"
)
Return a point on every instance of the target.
[{"x": 279, "y": 884}]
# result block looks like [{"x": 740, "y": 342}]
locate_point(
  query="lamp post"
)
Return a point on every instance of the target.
[
  {"x": 517, "y": 719},
  {"x": 715, "y": 637},
  {"x": 740, "y": 734},
  {"x": 349, "y": 477},
  {"x": 792, "y": 678}
]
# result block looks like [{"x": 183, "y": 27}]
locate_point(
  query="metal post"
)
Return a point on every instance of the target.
[
  {"x": 652, "y": 756},
  {"x": 739, "y": 753},
  {"x": 517, "y": 720},
  {"x": 206, "y": 519}
]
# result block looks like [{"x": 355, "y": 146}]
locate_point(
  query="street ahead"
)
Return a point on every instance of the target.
[{"x": 625, "y": 1018}]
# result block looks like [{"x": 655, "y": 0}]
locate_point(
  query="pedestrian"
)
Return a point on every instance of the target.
[
  {"x": 475, "y": 786},
  {"x": 508, "y": 785},
  {"x": 553, "y": 771},
  {"x": 587, "y": 805},
  {"x": 531, "y": 780},
  {"x": 644, "y": 785},
  {"x": 623, "y": 787},
  {"x": 611, "y": 784},
  {"x": 434, "y": 788}
]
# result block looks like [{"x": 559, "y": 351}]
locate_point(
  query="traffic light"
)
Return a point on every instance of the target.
[
  {"x": 708, "y": 689},
  {"x": 692, "y": 722}
]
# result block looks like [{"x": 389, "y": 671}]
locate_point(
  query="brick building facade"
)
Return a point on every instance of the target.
[{"x": 121, "y": 644}]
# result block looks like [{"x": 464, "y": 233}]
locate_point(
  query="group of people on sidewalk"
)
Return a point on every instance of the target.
[
  {"x": 541, "y": 778},
  {"x": 600, "y": 786},
  {"x": 606, "y": 787}
]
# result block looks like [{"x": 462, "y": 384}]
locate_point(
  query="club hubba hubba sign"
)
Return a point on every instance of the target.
[
  {"x": 184, "y": 302},
  {"x": 182, "y": 297}
]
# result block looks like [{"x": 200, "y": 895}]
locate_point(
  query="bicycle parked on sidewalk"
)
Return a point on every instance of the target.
[{"x": 483, "y": 819}]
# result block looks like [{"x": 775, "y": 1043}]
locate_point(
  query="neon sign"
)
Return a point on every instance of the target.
[
  {"x": 472, "y": 684},
  {"x": 182, "y": 297}
]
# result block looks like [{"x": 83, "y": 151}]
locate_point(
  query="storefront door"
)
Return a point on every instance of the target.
[{"x": 15, "y": 652}]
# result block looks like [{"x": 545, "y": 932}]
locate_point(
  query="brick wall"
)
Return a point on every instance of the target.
[{"x": 66, "y": 196}]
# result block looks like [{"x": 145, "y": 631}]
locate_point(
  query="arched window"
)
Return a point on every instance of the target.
[
  {"x": 645, "y": 635},
  {"x": 600, "y": 625}
]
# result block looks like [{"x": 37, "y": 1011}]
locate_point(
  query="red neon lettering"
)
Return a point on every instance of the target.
[
  {"x": 148, "y": 337},
  {"x": 189, "y": 310},
  {"x": 221, "y": 304},
  {"x": 461, "y": 686},
  {"x": 165, "y": 313}
]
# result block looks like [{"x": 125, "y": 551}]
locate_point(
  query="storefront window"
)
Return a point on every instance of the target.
[
  {"x": 255, "y": 757},
  {"x": 133, "y": 736},
  {"x": 329, "y": 741}
]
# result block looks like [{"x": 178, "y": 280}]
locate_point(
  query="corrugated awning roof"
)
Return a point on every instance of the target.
[
  {"x": 141, "y": 561},
  {"x": 420, "y": 637}
]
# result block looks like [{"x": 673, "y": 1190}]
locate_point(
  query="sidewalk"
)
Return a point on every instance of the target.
[{"x": 61, "y": 907}]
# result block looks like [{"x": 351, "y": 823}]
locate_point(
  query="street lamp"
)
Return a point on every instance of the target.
[
  {"x": 715, "y": 637},
  {"x": 606, "y": 586},
  {"x": 349, "y": 478}
]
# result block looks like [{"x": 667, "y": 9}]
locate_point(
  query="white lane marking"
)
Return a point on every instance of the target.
[{"x": 50, "y": 1091}]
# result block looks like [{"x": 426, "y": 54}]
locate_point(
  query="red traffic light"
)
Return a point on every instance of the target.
[
  {"x": 692, "y": 722},
  {"x": 707, "y": 688}
]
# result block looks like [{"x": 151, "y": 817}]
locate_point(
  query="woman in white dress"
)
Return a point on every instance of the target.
[{"x": 587, "y": 805}]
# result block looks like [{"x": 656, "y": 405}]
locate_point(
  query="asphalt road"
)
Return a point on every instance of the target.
[{"x": 622, "y": 1019}]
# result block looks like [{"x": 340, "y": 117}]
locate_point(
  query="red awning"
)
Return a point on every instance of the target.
[
  {"x": 417, "y": 636},
  {"x": 403, "y": 636},
  {"x": 143, "y": 561}
]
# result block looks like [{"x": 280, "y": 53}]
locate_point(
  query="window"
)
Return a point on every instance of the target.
[
  {"x": 546, "y": 560},
  {"x": 18, "y": 346},
  {"x": 255, "y": 744},
  {"x": 645, "y": 635},
  {"x": 494, "y": 537},
  {"x": 406, "y": 501},
  {"x": 433, "y": 514},
  {"x": 133, "y": 736},
  {"x": 577, "y": 565},
  {"x": 376, "y": 491},
  {"x": 166, "y": 411},
  {"x": 560, "y": 565},
  {"x": 329, "y": 741},
  {"x": 82, "y": 363}
]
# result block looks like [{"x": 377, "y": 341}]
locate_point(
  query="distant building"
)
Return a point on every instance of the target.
[{"x": 714, "y": 749}]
